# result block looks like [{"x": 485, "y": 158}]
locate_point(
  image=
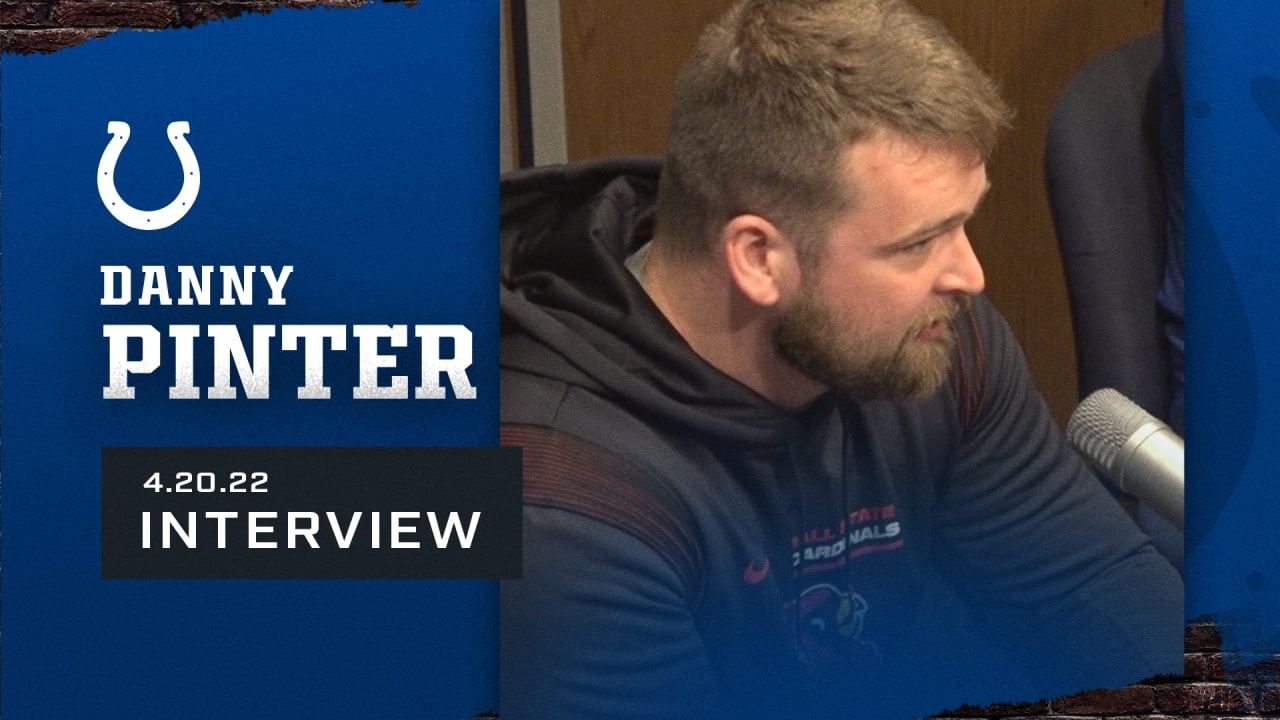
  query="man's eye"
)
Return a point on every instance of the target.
[{"x": 919, "y": 245}]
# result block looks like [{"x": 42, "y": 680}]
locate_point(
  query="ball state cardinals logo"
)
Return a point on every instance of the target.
[{"x": 828, "y": 628}]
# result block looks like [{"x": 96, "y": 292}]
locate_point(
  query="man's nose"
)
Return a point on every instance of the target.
[{"x": 963, "y": 272}]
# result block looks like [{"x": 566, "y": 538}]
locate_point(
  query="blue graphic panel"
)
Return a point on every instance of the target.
[
  {"x": 1233, "y": 407},
  {"x": 355, "y": 147}
]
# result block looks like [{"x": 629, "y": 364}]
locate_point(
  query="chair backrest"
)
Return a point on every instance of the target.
[{"x": 1103, "y": 175}]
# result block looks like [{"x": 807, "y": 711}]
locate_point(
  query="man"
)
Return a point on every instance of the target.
[{"x": 781, "y": 457}]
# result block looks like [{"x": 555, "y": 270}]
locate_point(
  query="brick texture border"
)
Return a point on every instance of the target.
[
  {"x": 45, "y": 27},
  {"x": 1213, "y": 686}
]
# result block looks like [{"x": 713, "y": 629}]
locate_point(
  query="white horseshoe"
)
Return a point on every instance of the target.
[{"x": 154, "y": 219}]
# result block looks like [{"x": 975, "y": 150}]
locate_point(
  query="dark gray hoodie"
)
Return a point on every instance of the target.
[{"x": 693, "y": 550}]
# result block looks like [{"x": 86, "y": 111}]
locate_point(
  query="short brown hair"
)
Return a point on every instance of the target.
[{"x": 778, "y": 89}]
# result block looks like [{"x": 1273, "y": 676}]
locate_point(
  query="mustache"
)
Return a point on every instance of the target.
[{"x": 947, "y": 313}]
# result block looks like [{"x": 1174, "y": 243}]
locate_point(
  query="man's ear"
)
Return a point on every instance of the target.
[{"x": 761, "y": 260}]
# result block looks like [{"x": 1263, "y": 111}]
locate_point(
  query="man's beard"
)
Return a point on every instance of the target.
[{"x": 827, "y": 347}]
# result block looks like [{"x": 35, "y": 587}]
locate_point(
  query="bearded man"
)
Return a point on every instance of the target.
[{"x": 781, "y": 456}]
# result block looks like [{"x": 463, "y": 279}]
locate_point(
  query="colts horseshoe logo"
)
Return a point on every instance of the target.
[{"x": 154, "y": 219}]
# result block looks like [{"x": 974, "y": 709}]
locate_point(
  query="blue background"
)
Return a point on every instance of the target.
[
  {"x": 359, "y": 146},
  {"x": 369, "y": 167},
  {"x": 1233, "y": 260}
]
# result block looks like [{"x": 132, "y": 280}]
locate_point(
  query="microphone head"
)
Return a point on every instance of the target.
[{"x": 1102, "y": 424}]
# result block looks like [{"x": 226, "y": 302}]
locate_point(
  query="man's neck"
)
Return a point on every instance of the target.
[{"x": 721, "y": 326}]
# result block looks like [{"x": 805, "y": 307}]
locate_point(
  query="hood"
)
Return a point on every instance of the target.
[{"x": 573, "y": 312}]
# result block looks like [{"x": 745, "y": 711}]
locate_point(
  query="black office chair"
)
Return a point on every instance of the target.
[
  {"x": 1106, "y": 194},
  {"x": 1107, "y": 198}
]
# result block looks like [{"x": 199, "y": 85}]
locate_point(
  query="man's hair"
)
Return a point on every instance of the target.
[{"x": 778, "y": 89}]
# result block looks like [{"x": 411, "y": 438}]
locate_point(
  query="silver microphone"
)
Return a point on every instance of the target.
[{"x": 1142, "y": 455}]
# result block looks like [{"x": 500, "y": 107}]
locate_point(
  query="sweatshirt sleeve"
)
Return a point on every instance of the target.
[
  {"x": 598, "y": 628},
  {"x": 1087, "y": 596}
]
